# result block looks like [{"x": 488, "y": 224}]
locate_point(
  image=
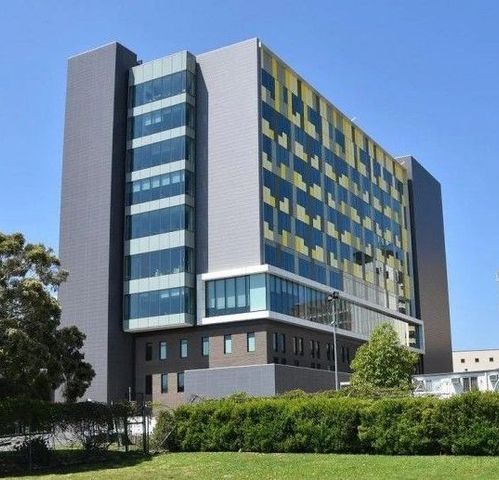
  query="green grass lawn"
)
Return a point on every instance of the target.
[{"x": 224, "y": 466}]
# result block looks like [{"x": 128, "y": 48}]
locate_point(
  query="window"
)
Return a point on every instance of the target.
[
  {"x": 161, "y": 186},
  {"x": 343, "y": 354},
  {"x": 477, "y": 360},
  {"x": 159, "y": 262},
  {"x": 162, "y": 350},
  {"x": 148, "y": 385},
  {"x": 275, "y": 360},
  {"x": 312, "y": 365},
  {"x": 300, "y": 345},
  {"x": 205, "y": 346},
  {"x": 283, "y": 361},
  {"x": 318, "y": 366},
  {"x": 148, "y": 352},
  {"x": 281, "y": 341},
  {"x": 328, "y": 351},
  {"x": 297, "y": 363},
  {"x": 318, "y": 349},
  {"x": 491, "y": 359},
  {"x": 462, "y": 360},
  {"x": 295, "y": 345},
  {"x": 162, "y": 87},
  {"x": 159, "y": 302},
  {"x": 164, "y": 383},
  {"x": 167, "y": 151},
  {"x": 312, "y": 348},
  {"x": 183, "y": 348},
  {"x": 250, "y": 342},
  {"x": 236, "y": 295},
  {"x": 164, "y": 119},
  {"x": 227, "y": 344},
  {"x": 180, "y": 381},
  {"x": 274, "y": 342}
]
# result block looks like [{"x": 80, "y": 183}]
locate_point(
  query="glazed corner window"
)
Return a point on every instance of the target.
[
  {"x": 162, "y": 350},
  {"x": 148, "y": 386},
  {"x": 183, "y": 348},
  {"x": 227, "y": 344},
  {"x": 250, "y": 342},
  {"x": 205, "y": 346},
  {"x": 164, "y": 383},
  {"x": 148, "y": 352},
  {"x": 180, "y": 381}
]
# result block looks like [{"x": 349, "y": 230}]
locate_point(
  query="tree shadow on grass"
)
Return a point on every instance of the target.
[{"x": 72, "y": 461}]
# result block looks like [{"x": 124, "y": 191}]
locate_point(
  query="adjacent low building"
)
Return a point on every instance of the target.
[
  {"x": 475, "y": 360},
  {"x": 211, "y": 206},
  {"x": 444, "y": 385}
]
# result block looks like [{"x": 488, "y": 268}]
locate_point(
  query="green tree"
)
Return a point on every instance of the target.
[
  {"x": 36, "y": 356},
  {"x": 382, "y": 362}
]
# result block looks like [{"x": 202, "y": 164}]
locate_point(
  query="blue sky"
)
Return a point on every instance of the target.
[{"x": 421, "y": 77}]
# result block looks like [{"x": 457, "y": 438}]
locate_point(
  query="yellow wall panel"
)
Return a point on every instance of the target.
[{"x": 298, "y": 181}]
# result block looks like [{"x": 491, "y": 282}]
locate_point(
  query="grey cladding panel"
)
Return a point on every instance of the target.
[
  {"x": 92, "y": 211},
  {"x": 430, "y": 266},
  {"x": 228, "y": 227}
]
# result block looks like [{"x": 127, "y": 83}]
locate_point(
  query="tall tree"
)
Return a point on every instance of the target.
[
  {"x": 382, "y": 362},
  {"x": 36, "y": 356}
]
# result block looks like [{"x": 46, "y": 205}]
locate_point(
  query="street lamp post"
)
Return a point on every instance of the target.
[{"x": 332, "y": 299}]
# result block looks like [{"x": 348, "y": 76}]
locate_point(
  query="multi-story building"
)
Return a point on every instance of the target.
[
  {"x": 212, "y": 204},
  {"x": 475, "y": 360}
]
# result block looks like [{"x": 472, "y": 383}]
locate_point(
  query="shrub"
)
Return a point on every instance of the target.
[
  {"x": 34, "y": 451},
  {"x": 401, "y": 426},
  {"x": 323, "y": 423},
  {"x": 469, "y": 424}
]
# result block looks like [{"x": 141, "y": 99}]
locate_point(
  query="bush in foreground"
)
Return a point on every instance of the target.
[{"x": 464, "y": 425}]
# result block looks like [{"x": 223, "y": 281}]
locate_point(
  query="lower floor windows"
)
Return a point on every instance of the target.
[
  {"x": 164, "y": 383},
  {"x": 250, "y": 342},
  {"x": 180, "y": 382},
  {"x": 162, "y": 350},
  {"x": 227, "y": 344},
  {"x": 205, "y": 346},
  {"x": 183, "y": 348},
  {"x": 148, "y": 385}
]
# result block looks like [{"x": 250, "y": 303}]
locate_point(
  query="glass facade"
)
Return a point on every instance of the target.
[
  {"x": 159, "y": 262},
  {"x": 270, "y": 292},
  {"x": 162, "y": 87},
  {"x": 161, "y": 153},
  {"x": 164, "y": 220},
  {"x": 167, "y": 118},
  {"x": 150, "y": 253},
  {"x": 334, "y": 203},
  {"x": 160, "y": 186},
  {"x": 160, "y": 302}
]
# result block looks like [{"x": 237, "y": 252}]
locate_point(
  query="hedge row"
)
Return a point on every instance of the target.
[
  {"x": 40, "y": 416},
  {"x": 462, "y": 425}
]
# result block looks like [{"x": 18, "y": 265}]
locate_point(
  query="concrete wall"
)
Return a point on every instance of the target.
[
  {"x": 257, "y": 380},
  {"x": 92, "y": 215},
  {"x": 430, "y": 266},
  {"x": 228, "y": 227}
]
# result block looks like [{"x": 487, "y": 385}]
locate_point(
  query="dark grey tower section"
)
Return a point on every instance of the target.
[
  {"x": 92, "y": 213},
  {"x": 430, "y": 266}
]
